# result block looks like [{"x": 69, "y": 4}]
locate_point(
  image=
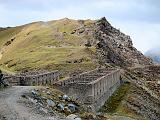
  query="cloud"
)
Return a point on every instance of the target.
[
  {"x": 138, "y": 18},
  {"x": 122, "y": 10},
  {"x": 144, "y": 35}
]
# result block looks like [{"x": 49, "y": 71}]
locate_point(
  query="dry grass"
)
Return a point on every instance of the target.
[{"x": 46, "y": 44}]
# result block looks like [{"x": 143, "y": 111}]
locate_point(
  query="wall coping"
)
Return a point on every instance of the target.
[
  {"x": 71, "y": 79},
  {"x": 95, "y": 81},
  {"x": 17, "y": 75}
]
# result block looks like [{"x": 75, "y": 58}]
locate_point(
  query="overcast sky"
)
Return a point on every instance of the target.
[{"x": 138, "y": 18}]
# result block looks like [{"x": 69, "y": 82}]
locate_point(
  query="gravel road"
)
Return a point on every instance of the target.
[{"x": 11, "y": 109}]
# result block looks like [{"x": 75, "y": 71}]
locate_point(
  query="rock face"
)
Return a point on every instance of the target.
[
  {"x": 116, "y": 47},
  {"x": 144, "y": 96}
]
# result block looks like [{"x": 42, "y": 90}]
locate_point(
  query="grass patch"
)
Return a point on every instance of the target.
[
  {"x": 65, "y": 59},
  {"x": 8, "y": 34},
  {"x": 48, "y": 45},
  {"x": 114, "y": 101}
]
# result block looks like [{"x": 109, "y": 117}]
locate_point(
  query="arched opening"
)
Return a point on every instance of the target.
[{"x": 22, "y": 81}]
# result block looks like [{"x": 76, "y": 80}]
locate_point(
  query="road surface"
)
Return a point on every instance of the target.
[{"x": 12, "y": 109}]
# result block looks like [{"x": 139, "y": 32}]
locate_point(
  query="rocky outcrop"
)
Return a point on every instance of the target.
[
  {"x": 117, "y": 48},
  {"x": 150, "y": 75},
  {"x": 142, "y": 102},
  {"x": 144, "y": 95}
]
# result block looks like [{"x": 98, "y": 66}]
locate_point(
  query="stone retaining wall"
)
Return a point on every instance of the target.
[
  {"x": 91, "y": 88},
  {"x": 48, "y": 78}
]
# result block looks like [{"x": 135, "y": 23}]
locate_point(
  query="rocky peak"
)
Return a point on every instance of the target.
[{"x": 116, "y": 47}]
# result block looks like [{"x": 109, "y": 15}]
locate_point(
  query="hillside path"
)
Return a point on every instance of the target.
[{"x": 11, "y": 109}]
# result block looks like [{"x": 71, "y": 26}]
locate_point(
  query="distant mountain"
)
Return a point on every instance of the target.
[{"x": 154, "y": 54}]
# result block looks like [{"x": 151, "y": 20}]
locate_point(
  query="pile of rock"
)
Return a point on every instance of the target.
[
  {"x": 49, "y": 101},
  {"x": 150, "y": 76},
  {"x": 144, "y": 90},
  {"x": 54, "y": 103}
]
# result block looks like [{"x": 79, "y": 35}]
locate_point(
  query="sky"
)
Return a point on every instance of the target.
[{"x": 138, "y": 18}]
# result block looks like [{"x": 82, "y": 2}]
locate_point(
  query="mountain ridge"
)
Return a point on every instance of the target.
[{"x": 40, "y": 39}]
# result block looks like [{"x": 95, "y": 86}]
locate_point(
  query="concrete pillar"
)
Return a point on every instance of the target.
[
  {"x": 93, "y": 94},
  {"x": 106, "y": 86},
  {"x": 30, "y": 80},
  {"x": 37, "y": 78},
  {"x": 45, "y": 79},
  {"x": 104, "y": 79},
  {"x": 109, "y": 81},
  {"x": 113, "y": 76},
  {"x": 94, "y": 91},
  {"x": 112, "y": 79},
  {"x": 98, "y": 84},
  {"x": 52, "y": 78},
  {"x": 42, "y": 79}
]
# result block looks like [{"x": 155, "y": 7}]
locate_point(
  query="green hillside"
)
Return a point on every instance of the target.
[{"x": 58, "y": 44}]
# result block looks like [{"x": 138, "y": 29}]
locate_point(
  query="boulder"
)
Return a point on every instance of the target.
[
  {"x": 48, "y": 93},
  {"x": 60, "y": 106},
  {"x": 50, "y": 103},
  {"x": 34, "y": 93},
  {"x": 67, "y": 111},
  {"x": 34, "y": 101},
  {"x": 72, "y": 107},
  {"x": 43, "y": 110},
  {"x": 73, "y": 117},
  {"x": 65, "y": 97}
]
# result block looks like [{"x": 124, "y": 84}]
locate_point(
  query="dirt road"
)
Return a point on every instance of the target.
[{"x": 11, "y": 109}]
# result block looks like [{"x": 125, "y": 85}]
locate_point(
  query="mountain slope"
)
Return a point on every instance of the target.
[
  {"x": 58, "y": 44},
  {"x": 117, "y": 47},
  {"x": 42, "y": 44}
]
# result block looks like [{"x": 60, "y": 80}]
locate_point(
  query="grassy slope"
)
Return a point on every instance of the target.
[
  {"x": 8, "y": 34},
  {"x": 48, "y": 45},
  {"x": 115, "y": 104}
]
